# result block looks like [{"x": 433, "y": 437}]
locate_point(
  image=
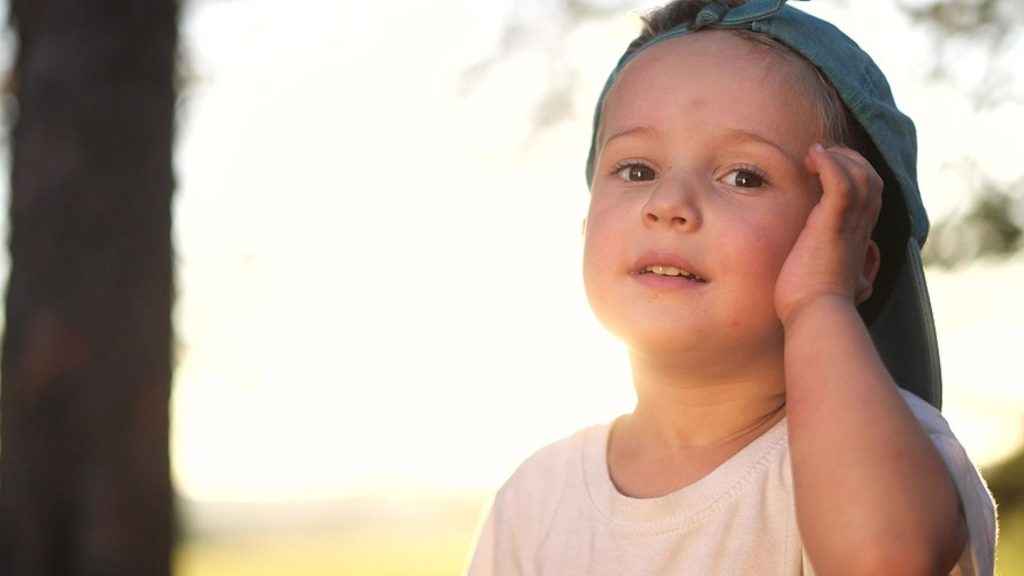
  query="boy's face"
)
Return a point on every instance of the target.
[{"x": 700, "y": 190}]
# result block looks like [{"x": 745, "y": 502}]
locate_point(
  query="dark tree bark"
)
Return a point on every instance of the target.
[{"x": 86, "y": 370}]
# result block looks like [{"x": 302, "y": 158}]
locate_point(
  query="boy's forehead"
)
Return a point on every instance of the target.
[
  {"x": 682, "y": 56},
  {"x": 706, "y": 58}
]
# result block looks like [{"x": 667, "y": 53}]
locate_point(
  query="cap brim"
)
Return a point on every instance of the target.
[{"x": 904, "y": 332}]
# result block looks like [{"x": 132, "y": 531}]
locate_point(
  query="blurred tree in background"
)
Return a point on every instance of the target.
[
  {"x": 86, "y": 368},
  {"x": 545, "y": 26},
  {"x": 992, "y": 224}
]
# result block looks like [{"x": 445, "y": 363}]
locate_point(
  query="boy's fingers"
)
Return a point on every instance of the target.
[
  {"x": 859, "y": 169},
  {"x": 851, "y": 187},
  {"x": 836, "y": 184}
]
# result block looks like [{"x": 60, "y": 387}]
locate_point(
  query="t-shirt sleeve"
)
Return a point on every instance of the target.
[
  {"x": 978, "y": 557},
  {"x": 481, "y": 563}
]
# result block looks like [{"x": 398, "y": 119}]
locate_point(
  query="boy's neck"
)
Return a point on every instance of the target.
[{"x": 684, "y": 428}]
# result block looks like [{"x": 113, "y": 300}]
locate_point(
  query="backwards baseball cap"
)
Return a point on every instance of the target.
[{"x": 898, "y": 314}]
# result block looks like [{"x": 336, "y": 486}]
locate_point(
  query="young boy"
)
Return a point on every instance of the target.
[{"x": 728, "y": 245}]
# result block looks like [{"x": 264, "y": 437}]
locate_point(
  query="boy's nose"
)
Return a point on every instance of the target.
[{"x": 672, "y": 203}]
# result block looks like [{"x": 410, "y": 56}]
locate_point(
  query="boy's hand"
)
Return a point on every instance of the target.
[{"x": 834, "y": 256}]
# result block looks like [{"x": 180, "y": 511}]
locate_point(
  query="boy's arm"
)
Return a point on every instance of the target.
[{"x": 873, "y": 496}]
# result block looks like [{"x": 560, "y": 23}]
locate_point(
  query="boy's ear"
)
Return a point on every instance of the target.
[{"x": 866, "y": 282}]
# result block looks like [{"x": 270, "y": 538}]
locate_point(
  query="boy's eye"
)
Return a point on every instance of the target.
[
  {"x": 744, "y": 179},
  {"x": 636, "y": 172}
]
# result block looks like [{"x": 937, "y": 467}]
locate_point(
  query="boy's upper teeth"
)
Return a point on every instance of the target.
[{"x": 670, "y": 271}]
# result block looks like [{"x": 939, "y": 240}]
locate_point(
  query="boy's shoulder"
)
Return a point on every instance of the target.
[
  {"x": 561, "y": 455},
  {"x": 930, "y": 418},
  {"x": 556, "y": 466}
]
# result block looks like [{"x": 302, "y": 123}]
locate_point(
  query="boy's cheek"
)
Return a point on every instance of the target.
[{"x": 599, "y": 224}]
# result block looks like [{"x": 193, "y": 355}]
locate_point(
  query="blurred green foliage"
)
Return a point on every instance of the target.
[
  {"x": 991, "y": 226},
  {"x": 990, "y": 21},
  {"x": 1006, "y": 481}
]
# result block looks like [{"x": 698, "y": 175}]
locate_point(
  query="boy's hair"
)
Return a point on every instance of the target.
[{"x": 855, "y": 108}]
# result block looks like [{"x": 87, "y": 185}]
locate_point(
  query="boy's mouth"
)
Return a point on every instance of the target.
[{"x": 673, "y": 272}]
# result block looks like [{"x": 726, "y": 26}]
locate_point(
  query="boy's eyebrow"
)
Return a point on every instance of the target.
[
  {"x": 741, "y": 135},
  {"x": 649, "y": 131},
  {"x": 730, "y": 135}
]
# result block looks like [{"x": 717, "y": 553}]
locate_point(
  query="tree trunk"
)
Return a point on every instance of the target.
[{"x": 86, "y": 370}]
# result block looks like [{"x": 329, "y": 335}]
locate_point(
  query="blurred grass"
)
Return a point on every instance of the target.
[
  {"x": 1006, "y": 481},
  {"x": 370, "y": 554},
  {"x": 1010, "y": 553},
  {"x": 414, "y": 542}
]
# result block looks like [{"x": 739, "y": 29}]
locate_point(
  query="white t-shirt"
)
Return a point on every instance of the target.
[{"x": 560, "y": 515}]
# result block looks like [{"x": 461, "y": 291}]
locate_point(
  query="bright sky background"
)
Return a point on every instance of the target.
[{"x": 379, "y": 262}]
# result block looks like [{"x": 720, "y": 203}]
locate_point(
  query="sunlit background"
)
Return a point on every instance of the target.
[{"x": 378, "y": 231}]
